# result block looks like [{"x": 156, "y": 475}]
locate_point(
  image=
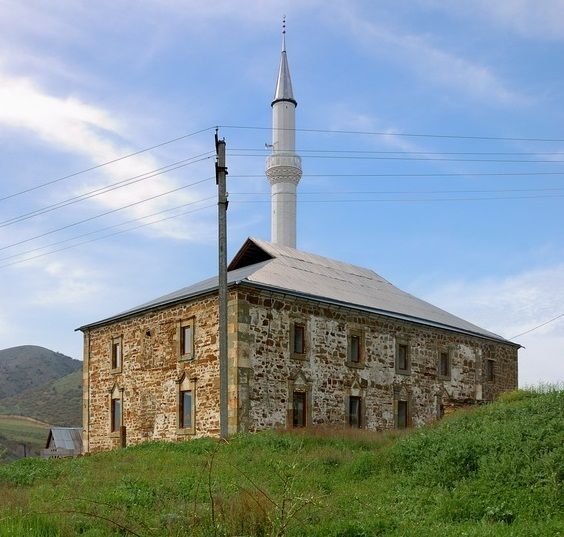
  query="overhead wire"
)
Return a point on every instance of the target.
[
  {"x": 399, "y": 134},
  {"x": 538, "y": 326},
  {"x": 413, "y": 159},
  {"x": 108, "y": 188},
  {"x": 106, "y": 228},
  {"x": 106, "y": 213},
  {"x": 97, "y": 166},
  {"x": 106, "y": 236},
  {"x": 457, "y": 174}
]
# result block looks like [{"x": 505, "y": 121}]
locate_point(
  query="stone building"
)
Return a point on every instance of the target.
[{"x": 312, "y": 341}]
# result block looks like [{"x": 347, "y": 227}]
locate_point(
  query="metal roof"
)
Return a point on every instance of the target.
[
  {"x": 294, "y": 272},
  {"x": 66, "y": 438},
  {"x": 283, "y": 91}
]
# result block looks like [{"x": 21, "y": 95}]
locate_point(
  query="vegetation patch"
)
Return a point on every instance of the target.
[{"x": 493, "y": 471}]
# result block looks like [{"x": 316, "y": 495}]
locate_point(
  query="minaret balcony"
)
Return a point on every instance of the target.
[{"x": 285, "y": 161}]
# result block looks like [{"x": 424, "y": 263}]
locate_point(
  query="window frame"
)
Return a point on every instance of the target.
[
  {"x": 186, "y": 384},
  {"x": 181, "y": 410},
  {"x": 357, "y": 334},
  {"x": 403, "y": 343},
  {"x": 293, "y": 326},
  {"x": 304, "y": 397},
  {"x": 116, "y": 427},
  {"x": 489, "y": 370},
  {"x": 357, "y": 399},
  {"x": 187, "y": 323},
  {"x": 448, "y": 374},
  {"x": 116, "y": 365},
  {"x": 403, "y": 403}
]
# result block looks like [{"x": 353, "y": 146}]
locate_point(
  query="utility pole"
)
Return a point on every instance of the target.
[{"x": 220, "y": 179}]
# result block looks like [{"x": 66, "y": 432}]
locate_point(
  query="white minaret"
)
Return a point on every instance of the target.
[{"x": 284, "y": 167}]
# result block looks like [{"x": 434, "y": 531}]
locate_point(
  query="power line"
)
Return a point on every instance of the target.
[
  {"x": 539, "y": 326},
  {"x": 403, "y": 200},
  {"x": 414, "y": 159},
  {"x": 144, "y": 150},
  {"x": 106, "y": 236},
  {"x": 105, "y": 229},
  {"x": 268, "y": 150},
  {"x": 108, "y": 188},
  {"x": 405, "y": 134},
  {"x": 457, "y": 174},
  {"x": 106, "y": 213},
  {"x": 335, "y": 192}
]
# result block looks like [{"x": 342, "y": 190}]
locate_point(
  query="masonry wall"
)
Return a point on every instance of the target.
[
  {"x": 150, "y": 376},
  {"x": 263, "y": 373},
  {"x": 268, "y": 373}
]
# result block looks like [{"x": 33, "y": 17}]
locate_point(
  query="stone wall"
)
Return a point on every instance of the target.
[
  {"x": 269, "y": 373},
  {"x": 150, "y": 375},
  {"x": 263, "y": 373}
]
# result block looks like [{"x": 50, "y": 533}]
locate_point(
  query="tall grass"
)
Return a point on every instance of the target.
[{"x": 494, "y": 471}]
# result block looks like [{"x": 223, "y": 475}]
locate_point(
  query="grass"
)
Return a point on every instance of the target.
[{"x": 494, "y": 471}]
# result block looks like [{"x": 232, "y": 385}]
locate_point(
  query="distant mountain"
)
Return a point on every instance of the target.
[
  {"x": 59, "y": 402},
  {"x": 27, "y": 367}
]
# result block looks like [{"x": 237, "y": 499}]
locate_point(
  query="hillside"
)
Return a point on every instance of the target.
[
  {"x": 29, "y": 366},
  {"x": 495, "y": 471},
  {"x": 59, "y": 402}
]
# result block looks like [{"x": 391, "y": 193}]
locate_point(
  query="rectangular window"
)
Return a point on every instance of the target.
[
  {"x": 402, "y": 414},
  {"x": 490, "y": 370},
  {"x": 354, "y": 349},
  {"x": 354, "y": 411},
  {"x": 299, "y": 339},
  {"x": 299, "y": 409},
  {"x": 116, "y": 414},
  {"x": 444, "y": 364},
  {"x": 116, "y": 353},
  {"x": 402, "y": 358},
  {"x": 185, "y": 409},
  {"x": 186, "y": 340}
]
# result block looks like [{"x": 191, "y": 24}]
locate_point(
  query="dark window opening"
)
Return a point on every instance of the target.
[
  {"x": 116, "y": 354},
  {"x": 299, "y": 339},
  {"x": 186, "y": 340},
  {"x": 489, "y": 370},
  {"x": 403, "y": 360},
  {"x": 354, "y": 350},
  {"x": 354, "y": 411},
  {"x": 299, "y": 409},
  {"x": 186, "y": 409},
  {"x": 402, "y": 414},
  {"x": 444, "y": 365},
  {"x": 116, "y": 414}
]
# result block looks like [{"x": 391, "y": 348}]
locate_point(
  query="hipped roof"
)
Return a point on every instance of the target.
[{"x": 265, "y": 265}]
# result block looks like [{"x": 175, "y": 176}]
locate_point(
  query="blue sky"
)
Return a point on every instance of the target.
[{"x": 85, "y": 83}]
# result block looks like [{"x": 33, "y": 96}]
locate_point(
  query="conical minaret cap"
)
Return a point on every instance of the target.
[{"x": 283, "y": 90}]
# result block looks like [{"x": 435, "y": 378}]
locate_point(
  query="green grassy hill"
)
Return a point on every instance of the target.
[
  {"x": 59, "y": 402},
  {"x": 26, "y": 367},
  {"x": 496, "y": 471},
  {"x": 38, "y": 383}
]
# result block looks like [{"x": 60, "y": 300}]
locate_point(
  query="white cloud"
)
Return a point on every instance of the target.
[
  {"x": 431, "y": 63},
  {"x": 510, "y": 306},
  {"x": 542, "y": 19},
  {"x": 71, "y": 125}
]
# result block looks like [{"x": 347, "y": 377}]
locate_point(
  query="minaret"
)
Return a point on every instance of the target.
[{"x": 283, "y": 167}]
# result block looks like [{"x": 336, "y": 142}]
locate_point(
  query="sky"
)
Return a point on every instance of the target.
[{"x": 430, "y": 133}]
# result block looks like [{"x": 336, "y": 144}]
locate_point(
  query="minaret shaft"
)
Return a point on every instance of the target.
[{"x": 283, "y": 167}]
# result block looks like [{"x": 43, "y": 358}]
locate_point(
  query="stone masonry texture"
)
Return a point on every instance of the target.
[{"x": 263, "y": 372}]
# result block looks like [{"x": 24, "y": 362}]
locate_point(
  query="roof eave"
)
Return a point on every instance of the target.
[{"x": 386, "y": 313}]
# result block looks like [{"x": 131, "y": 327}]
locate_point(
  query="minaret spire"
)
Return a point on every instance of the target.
[{"x": 283, "y": 167}]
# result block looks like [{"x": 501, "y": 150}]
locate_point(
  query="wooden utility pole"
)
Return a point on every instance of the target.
[{"x": 220, "y": 177}]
